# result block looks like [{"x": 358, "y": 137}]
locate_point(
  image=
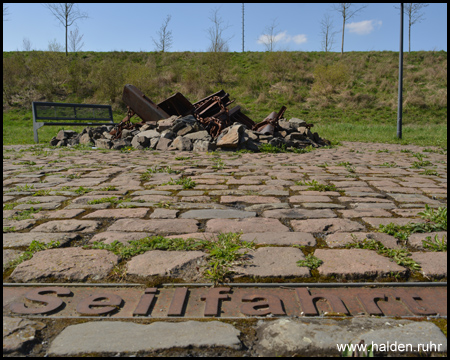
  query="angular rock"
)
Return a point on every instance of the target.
[
  {"x": 149, "y": 134},
  {"x": 297, "y": 122},
  {"x": 199, "y": 135},
  {"x": 163, "y": 144},
  {"x": 86, "y": 139},
  {"x": 17, "y": 333},
  {"x": 140, "y": 142},
  {"x": 103, "y": 143},
  {"x": 230, "y": 138},
  {"x": 203, "y": 146},
  {"x": 73, "y": 264},
  {"x": 166, "y": 123},
  {"x": 181, "y": 143},
  {"x": 65, "y": 134},
  {"x": 121, "y": 143}
]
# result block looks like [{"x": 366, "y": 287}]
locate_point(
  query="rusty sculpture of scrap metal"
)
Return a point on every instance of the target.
[{"x": 211, "y": 112}]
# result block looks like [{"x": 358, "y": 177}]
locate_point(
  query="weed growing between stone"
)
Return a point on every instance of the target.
[
  {"x": 112, "y": 200},
  {"x": 310, "y": 261},
  {"x": 187, "y": 183},
  {"x": 400, "y": 256},
  {"x": 25, "y": 214},
  {"x": 436, "y": 220},
  {"x": 223, "y": 253},
  {"x": 435, "y": 244},
  {"x": 33, "y": 248},
  {"x": 316, "y": 186},
  {"x": 137, "y": 247}
]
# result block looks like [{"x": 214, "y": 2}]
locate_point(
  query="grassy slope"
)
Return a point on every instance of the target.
[{"x": 353, "y": 97}]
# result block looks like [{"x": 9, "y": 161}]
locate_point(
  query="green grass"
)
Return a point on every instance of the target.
[
  {"x": 348, "y": 98},
  {"x": 411, "y": 134},
  {"x": 222, "y": 253}
]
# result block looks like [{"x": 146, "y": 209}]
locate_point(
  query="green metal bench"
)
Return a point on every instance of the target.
[{"x": 69, "y": 114}]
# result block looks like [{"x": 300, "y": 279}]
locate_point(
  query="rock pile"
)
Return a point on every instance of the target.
[{"x": 187, "y": 134}]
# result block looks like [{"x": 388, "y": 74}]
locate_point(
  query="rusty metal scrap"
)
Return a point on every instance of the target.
[
  {"x": 146, "y": 109},
  {"x": 270, "y": 123},
  {"x": 211, "y": 112}
]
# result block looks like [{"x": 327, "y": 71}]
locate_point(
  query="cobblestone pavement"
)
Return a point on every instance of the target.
[{"x": 263, "y": 196}]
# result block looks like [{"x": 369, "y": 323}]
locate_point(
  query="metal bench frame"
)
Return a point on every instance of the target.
[{"x": 95, "y": 119}]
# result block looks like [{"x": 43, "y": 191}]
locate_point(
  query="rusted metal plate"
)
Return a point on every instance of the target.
[
  {"x": 224, "y": 302},
  {"x": 177, "y": 105},
  {"x": 146, "y": 109}
]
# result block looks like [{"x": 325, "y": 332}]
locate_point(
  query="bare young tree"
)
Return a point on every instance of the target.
[
  {"x": 5, "y": 13},
  {"x": 347, "y": 11},
  {"x": 54, "y": 46},
  {"x": 215, "y": 33},
  {"x": 67, "y": 14},
  {"x": 414, "y": 14},
  {"x": 165, "y": 40},
  {"x": 269, "y": 38},
  {"x": 26, "y": 44},
  {"x": 75, "y": 39},
  {"x": 327, "y": 33}
]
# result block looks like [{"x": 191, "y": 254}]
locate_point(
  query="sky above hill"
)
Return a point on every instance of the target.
[{"x": 131, "y": 27}]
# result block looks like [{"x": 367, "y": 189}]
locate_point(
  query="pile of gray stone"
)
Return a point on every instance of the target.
[{"x": 187, "y": 134}]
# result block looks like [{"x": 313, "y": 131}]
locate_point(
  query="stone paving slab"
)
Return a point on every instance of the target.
[
  {"x": 217, "y": 214},
  {"x": 118, "y": 213},
  {"x": 15, "y": 240},
  {"x": 434, "y": 264},
  {"x": 107, "y": 337},
  {"x": 416, "y": 239},
  {"x": 339, "y": 239},
  {"x": 288, "y": 337},
  {"x": 83, "y": 226},
  {"x": 326, "y": 225},
  {"x": 254, "y": 194},
  {"x": 299, "y": 214},
  {"x": 72, "y": 264},
  {"x": 109, "y": 237},
  {"x": 355, "y": 263},
  {"x": 264, "y": 262},
  {"x": 250, "y": 225},
  {"x": 157, "y": 226},
  {"x": 165, "y": 263},
  {"x": 284, "y": 238}
]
